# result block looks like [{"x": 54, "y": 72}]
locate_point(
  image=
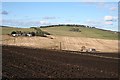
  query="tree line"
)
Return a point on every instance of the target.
[{"x": 70, "y": 25}]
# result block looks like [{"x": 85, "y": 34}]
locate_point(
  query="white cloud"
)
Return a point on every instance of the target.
[
  {"x": 24, "y": 23},
  {"x": 45, "y": 23},
  {"x": 115, "y": 18},
  {"x": 109, "y": 22},
  {"x": 68, "y": 20},
  {"x": 113, "y": 8},
  {"x": 94, "y": 22},
  {"x": 110, "y": 18},
  {"x": 49, "y": 17}
]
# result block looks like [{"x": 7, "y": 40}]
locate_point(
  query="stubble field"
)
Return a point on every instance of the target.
[{"x": 67, "y": 43}]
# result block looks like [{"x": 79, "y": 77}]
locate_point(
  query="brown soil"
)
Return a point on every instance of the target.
[{"x": 22, "y": 62}]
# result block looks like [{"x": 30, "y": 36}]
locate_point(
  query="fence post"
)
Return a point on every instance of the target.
[
  {"x": 14, "y": 40},
  {"x": 60, "y": 46},
  {"x": 6, "y": 41}
]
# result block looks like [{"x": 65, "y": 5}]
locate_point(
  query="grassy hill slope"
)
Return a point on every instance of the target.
[
  {"x": 8, "y": 30},
  {"x": 65, "y": 31},
  {"x": 85, "y": 32}
]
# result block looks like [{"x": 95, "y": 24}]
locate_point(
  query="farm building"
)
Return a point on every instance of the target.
[{"x": 19, "y": 33}]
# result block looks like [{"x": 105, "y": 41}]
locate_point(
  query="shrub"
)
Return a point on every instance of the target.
[
  {"x": 13, "y": 32},
  {"x": 75, "y": 29},
  {"x": 33, "y": 33},
  {"x": 41, "y": 33}
]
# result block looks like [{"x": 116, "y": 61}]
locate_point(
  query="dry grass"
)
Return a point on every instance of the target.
[{"x": 68, "y": 43}]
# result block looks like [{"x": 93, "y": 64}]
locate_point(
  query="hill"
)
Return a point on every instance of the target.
[
  {"x": 86, "y": 32},
  {"x": 8, "y": 30},
  {"x": 71, "y": 38}
]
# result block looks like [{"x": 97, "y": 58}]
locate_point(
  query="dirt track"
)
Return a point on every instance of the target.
[{"x": 24, "y": 62}]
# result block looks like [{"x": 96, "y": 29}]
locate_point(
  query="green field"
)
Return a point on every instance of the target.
[
  {"x": 8, "y": 30},
  {"x": 85, "y": 32},
  {"x": 65, "y": 31}
]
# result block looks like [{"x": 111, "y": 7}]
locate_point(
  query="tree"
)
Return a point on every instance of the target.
[
  {"x": 75, "y": 29},
  {"x": 13, "y": 32},
  {"x": 33, "y": 33},
  {"x": 39, "y": 32}
]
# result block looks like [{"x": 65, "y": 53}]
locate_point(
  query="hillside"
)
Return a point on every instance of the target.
[
  {"x": 71, "y": 38},
  {"x": 85, "y": 32},
  {"x": 66, "y": 31},
  {"x": 8, "y": 30}
]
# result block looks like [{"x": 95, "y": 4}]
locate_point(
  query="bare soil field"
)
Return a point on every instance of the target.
[
  {"x": 23, "y": 62},
  {"x": 67, "y": 43}
]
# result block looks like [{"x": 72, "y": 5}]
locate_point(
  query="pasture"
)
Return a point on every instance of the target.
[
  {"x": 85, "y": 32},
  {"x": 65, "y": 31},
  {"x": 8, "y": 30}
]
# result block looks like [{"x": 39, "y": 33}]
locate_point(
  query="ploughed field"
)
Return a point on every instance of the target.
[{"x": 23, "y": 62}]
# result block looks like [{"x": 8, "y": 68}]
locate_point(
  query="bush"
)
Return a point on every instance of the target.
[
  {"x": 75, "y": 29},
  {"x": 13, "y": 32},
  {"x": 41, "y": 33},
  {"x": 33, "y": 33}
]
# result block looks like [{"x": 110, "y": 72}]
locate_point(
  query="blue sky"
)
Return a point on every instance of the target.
[{"x": 26, "y": 14}]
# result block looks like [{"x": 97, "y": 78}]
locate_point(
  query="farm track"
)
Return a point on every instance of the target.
[{"x": 23, "y": 62}]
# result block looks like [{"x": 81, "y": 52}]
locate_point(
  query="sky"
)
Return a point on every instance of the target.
[{"x": 102, "y": 15}]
